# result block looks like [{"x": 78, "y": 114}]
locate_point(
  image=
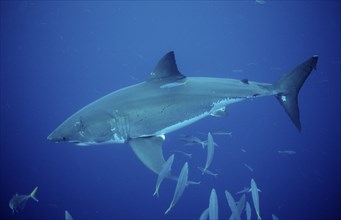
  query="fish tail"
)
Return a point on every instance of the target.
[
  {"x": 202, "y": 170},
  {"x": 287, "y": 88},
  {"x": 203, "y": 145},
  {"x": 33, "y": 194},
  {"x": 170, "y": 207},
  {"x": 156, "y": 193}
]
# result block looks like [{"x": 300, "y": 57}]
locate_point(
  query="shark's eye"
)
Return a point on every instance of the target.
[{"x": 64, "y": 138}]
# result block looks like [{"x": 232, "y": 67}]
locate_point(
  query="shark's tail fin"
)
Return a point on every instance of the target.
[
  {"x": 288, "y": 87},
  {"x": 33, "y": 194}
]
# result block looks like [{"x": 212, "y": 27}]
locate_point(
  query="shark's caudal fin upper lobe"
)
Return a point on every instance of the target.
[{"x": 288, "y": 87}]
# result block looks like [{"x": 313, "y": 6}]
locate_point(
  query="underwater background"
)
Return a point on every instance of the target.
[{"x": 57, "y": 57}]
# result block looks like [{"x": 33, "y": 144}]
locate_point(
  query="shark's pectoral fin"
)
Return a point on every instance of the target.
[{"x": 149, "y": 151}]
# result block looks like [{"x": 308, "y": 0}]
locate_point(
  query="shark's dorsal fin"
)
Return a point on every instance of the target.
[
  {"x": 166, "y": 69},
  {"x": 149, "y": 151}
]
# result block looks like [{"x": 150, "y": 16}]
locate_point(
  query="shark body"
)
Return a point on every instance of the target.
[{"x": 142, "y": 114}]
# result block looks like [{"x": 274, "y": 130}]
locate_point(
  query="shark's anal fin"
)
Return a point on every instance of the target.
[{"x": 149, "y": 151}]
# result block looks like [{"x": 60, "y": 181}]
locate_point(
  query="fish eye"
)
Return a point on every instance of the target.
[{"x": 64, "y": 138}]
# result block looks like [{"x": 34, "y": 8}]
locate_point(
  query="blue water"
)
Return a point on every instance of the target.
[{"x": 57, "y": 57}]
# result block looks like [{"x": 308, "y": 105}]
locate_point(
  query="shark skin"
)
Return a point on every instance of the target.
[{"x": 142, "y": 114}]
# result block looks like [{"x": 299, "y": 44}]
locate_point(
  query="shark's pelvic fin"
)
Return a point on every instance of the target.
[
  {"x": 288, "y": 87},
  {"x": 149, "y": 151},
  {"x": 166, "y": 70}
]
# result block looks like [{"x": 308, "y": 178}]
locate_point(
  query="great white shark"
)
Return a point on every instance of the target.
[{"x": 142, "y": 114}]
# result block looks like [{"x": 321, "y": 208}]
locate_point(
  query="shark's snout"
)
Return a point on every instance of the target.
[
  {"x": 55, "y": 137},
  {"x": 51, "y": 137}
]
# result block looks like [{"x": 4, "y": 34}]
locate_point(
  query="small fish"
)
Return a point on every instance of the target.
[
  {"x": 213, "y": 206},
  {"x": 251, "y": 64},
  {"x": 207, "y": 172},
  {"x": 68, "y": 215},
  {"x": 189, "y": 139},
  {"x": 164, "y": 173},
  {"x": 248, "y": 211},
  {"x": 18, "y": 202},
  {"x": 245, "y": 190},
  {"x": 204, "y": 215},
  {"x": 274, "y": 217},
  {"x": 255, "y": 197},
  {"x": 210, "y": 151},
  {"x": 237, "y": 71},
  {"x": 222, "y": 133},
  {"x": 243, "y": 150},
  {"x": 183, "y": 153},
  {"x": 189, "y": 182},
  {"x": 180, "y": 187},
  {"x": 247, "y": 166},
  {"x": 261, "y": 2},
  {"x": 240, "y": 207},
  {"x": 241, "y": 204},
  {"x": 287, "y": 152},
  {"x": 206, "y": 143},
  {"x": 232, "y": 205}
]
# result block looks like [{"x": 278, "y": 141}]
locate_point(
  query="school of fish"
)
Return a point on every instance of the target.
[{"x": 18, "y": 202}]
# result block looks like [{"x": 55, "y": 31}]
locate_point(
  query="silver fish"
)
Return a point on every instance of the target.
[
  {"x": 207, "y": 172},
  {"x": 240, "y": 206},
  {"x": 232, "y": 205},
  {"x": 210, "y": 151},
  {"x": 244, "y": 190},
  {"x": 183, "y": 153},
  {"x": 255, "y": 197},
  {"x": 222, "y": 133},
  {"x": 68, "y": 216},
  {"x": 164, "y": 173},
  {"x": 287, "y": 152},
  {"x": 189, "y": 139},
  {"x": 213, "y": 206},
  {"x": 274, "y": 217},
  {"x": 18, "y": 202},
  {"x": 247, "y": 166},
  {"x": 204, "y": 215},
  {"x": 248, "y": 211},
  {"x": 180, "y": 187}
]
